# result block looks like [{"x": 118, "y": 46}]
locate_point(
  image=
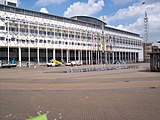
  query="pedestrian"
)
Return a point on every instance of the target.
[{"x": 12, "y": 62}]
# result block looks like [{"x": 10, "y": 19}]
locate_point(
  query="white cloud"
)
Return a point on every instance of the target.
[
  {"x": 151, "y": 1},
  {"x": 47, "y": 2},
  {"x": 44, "y": 10},
  {"x": 137, "y": 12},
  {"x": 82, "y": 8},
  {"x": 121, "y": 1}
]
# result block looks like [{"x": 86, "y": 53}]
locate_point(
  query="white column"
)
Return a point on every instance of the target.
[
  {"x": 46, "y": 45},
  {"x": 54, "y": 56},
  {"x": 86, "y": 58},
  {"x": 135, "y": 58},
  {"x": 29, "y": 59},
  {"x": 101, "y": 56},
  {"x": 19, "y": 47},
  {"x": 67, "y": 55},
  {"x": 120, "y": 57},
  {"x": 19, "y": 51},
  {"x": 8, "y": 38},
  {"x": 75, "y": 55},
  {"x": 112, "y": 57},
  {"x": 38, "y": 45},
  {"x": 81, "y": 46},
  {"x": 105, "y": 57},
  {"x": 131, "y": 56},
  {"x": 38, "y": 55},
  {"x": 96, "y": 57},
  {"x": 89, "y": 57}
]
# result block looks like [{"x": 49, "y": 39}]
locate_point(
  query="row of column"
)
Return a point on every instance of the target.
[
  {"x": 123, "y": 56},
  {"x": 87, "y": 56}
]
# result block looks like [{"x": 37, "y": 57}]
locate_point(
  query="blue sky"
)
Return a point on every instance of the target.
[
  {"x": 122, "y": 14},
  {"x": 59, "y": 8}
]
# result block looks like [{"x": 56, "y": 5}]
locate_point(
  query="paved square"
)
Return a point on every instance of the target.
[{"x": 129, "y": 94}]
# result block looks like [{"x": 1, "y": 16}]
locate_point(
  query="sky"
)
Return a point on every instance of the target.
[{"x": 122, "y": 14}]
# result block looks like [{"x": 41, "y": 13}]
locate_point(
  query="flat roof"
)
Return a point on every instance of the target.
[{"x": 64, "y": 19}]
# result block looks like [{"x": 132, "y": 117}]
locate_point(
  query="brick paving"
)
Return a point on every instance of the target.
[{"x": 129, "y": 94}]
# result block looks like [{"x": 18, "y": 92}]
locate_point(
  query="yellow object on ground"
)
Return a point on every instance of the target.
[
  {"x": 40, "y": 117},
  {"x": 56, "y": 62}
]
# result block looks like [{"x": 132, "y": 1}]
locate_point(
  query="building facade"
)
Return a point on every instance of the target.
[
  {"x": 150, "y": 48},
  {"x": 35, "y": 37},
  {"x": 147, "y": 49}
]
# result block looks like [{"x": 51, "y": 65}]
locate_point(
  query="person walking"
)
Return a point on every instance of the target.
[{"x": 13, "y": 61}]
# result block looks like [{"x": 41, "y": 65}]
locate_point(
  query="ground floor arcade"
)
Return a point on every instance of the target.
[{"x": 40, "y": 56}]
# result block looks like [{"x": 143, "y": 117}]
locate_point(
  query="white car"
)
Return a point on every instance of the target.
[
  {"x": 51, "y": 64},
  {"x": 74, "y": 63},
  {"x": 78, "y": 63},
  {"x": 68, "y": 63},
  {"x": 71, "y": 63}
]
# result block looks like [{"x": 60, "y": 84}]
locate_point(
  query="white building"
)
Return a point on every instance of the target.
[
  {"x": 35, "y": 37},
  {"x": 13, "y": 3}
]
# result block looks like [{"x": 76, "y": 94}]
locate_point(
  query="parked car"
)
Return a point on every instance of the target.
[
  {"x": 68, "y": 63},
  {"x": 73, "y": 63},
  {"x": 7, "y": 65},
  {"x": 54, "y": 63},
  {"x": 50, "y": 64}
]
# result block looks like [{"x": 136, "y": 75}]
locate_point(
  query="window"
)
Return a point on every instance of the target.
[
  {"x": 52, "y": 42},
  {"x": 65, "y": 34},
  {"x": 23, "y": 41},
  {"x": 2, "y": 28},
  {"x": 32, "y": 41},
  {"x": 11, "y": 4},
  {"x": 2, "y": 38},
  {"x": 12, "y": 39},
  {"x": 40, "y": 41},
  {"x": 28, "y": 12},
  {"x": 56, "y": 42},
  {"x": 37, "y": 14}
]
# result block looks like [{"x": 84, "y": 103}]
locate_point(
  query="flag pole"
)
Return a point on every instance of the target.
[{"x": 102, "y": 37}]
